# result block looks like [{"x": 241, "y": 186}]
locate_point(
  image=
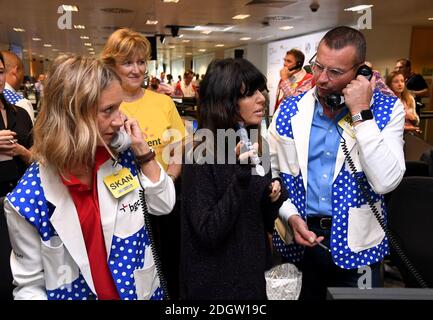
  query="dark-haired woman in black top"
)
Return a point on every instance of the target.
[
  {"x": 15, "y": 140},
  {"x": 226, "y": 209}
]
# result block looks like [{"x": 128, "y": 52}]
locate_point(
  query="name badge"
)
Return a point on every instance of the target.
[
  {"x": 121, "y": 183},
  {"x": 346, "y": 124}
]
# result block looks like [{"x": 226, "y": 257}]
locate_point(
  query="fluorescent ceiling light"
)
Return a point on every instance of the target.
[
  {"x": 245, "y": 38},
  {"x": 152, "y": 22},
  {"x": 91, "y": 52},
  {"x": 67, "y": 7},
  {"x": 186, "y": 41},
  {"x": 55, "y": 50},
  {"x": 36, "y": 39},
  {"x": 202, "y": 50},
  {"x": 47, "y": 45},
  {"x": 189, "y": 54},
  {"x": 84, "y": 37},
  {"x": 220, "y": 45},
  {"x": 286, "y": 27},
  {"x": 170, "y": 1},
  {"x": 90, "y": 49},
  {"x": 265, "y": 37},
  {"x": 359, "y": 8},
  {"x": 206, "y": 32},
  {"x": 228, "y": 28},
  {"x": 88, "y": 44},
  {"x": 241, "y": 16},
  {"x": 430, "y": 19},
  {"x": 79, "y": 26},
  {"x": 19, "y": 30},
  {"x": 171, "y": 47}
]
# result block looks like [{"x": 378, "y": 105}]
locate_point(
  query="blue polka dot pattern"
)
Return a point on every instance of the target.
[
  {"x": 288, "y": 108},
  {"x": 158, "y": 294},
  {"x": 127, "y": 159},
  {"x": 127, "y": 255},
  {"x": 296, "y": 191},
  {"x": 346, "y": 194},
  {"x": 77, "y": 290},
  {"x": 11, "y": 97},
  {"x": 28, "y": 199},
  {"x": 382, "y": 108}
]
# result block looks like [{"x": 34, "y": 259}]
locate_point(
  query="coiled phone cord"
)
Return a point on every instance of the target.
[
  {"x": 392, "y": 240},
  {"x": 155, "y": 254}
]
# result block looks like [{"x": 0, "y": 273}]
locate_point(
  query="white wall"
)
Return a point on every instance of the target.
[
  {"x": 386, "y": 44},
  {"x": 177, "y": 68},
  {"x": 276, "y": 51},
  {"x": 151, "y": 68},
  {"x": 200, "y": 63}
]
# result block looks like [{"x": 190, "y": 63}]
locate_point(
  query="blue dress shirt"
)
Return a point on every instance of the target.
[{"x": 322, "y": 154}]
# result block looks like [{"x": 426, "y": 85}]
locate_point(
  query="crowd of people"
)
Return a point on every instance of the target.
[{"x": 162, "y": 214}]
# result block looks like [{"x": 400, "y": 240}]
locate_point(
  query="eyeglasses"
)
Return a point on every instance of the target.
[{"x": 331, "y": 73}]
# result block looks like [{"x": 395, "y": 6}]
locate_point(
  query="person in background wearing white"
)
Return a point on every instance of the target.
[{"x": 14, "y": 80}]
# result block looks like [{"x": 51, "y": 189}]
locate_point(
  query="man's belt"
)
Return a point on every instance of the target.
[{"x": 319, "y": 222}]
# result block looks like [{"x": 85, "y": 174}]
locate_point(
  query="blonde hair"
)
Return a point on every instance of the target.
[
  {"x": 123, "y": 44},
  {"x": 66, "y": 131},
  {"x": 406, "y": 97}
]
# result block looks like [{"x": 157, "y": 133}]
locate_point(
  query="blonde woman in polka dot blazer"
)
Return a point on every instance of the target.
[{"x": 71, "y": 238}]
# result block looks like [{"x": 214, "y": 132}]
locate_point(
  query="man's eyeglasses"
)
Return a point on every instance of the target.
[{"x": 331, "y": 73}]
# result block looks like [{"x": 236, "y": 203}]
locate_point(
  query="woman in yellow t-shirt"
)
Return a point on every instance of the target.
[{"x": 127, "y": 52}]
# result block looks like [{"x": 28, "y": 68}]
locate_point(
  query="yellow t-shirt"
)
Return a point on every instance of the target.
[{"x": 156, "y": 114}]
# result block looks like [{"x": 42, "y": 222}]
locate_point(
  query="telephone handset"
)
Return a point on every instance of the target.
[
  {"x": 298, "y": 66},
  {"x": 121, "y": 141},
  {"x": 335, "y": 100}
]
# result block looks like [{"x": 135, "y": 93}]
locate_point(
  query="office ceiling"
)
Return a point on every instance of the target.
[{"x": 40, "y": 18}]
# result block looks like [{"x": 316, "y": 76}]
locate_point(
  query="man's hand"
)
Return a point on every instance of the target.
[
  {"x": 275, "y": 188},
  {"x": 285, "y": 74},
  {"x": 303, "y": 236},
  {"x": 358, "y": 94}
]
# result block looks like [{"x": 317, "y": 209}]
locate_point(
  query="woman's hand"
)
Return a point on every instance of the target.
[
  {"x": 275, "y": 188},
  {"x": 245, "y": 155},
  {"x": 138, "y": 143},
  {"x": 7, "y": 142},
  {"x": 140, "y": 147}
]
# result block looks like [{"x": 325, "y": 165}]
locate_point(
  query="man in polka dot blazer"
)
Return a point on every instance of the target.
[
  {"x": 326, "y": 203},
  {"x": 14, "y": 80}
]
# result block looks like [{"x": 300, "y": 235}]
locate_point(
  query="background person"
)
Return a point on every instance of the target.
[
  {"x": 415, "y": 83},
  {"x": 395, "y": 81},
  {"x": 127, "y": 52},
  {"x": 63, "y": 215},
  {"x": 186, "y": 88},
  {"x": 14, "y": 79},
  {"x": 15, "y": 139},
  {"x": 293, "y": 78}
]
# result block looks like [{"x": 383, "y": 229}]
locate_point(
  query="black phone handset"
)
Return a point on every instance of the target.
[
  {"x": 298, "y": 66},
  {"x": 362, "y": 183},
  {"x": 335, "y": 100}
]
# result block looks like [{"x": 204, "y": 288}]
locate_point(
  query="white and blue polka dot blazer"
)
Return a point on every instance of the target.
[
  {"x": 376, "y": 148},
  {"x": 49, "y": 259}
]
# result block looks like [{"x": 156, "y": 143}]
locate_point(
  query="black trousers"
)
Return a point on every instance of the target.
[{"x": 320, "y": 272}]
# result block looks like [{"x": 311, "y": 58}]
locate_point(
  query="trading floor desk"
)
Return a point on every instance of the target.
[{"x": 186, "y": 107}]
